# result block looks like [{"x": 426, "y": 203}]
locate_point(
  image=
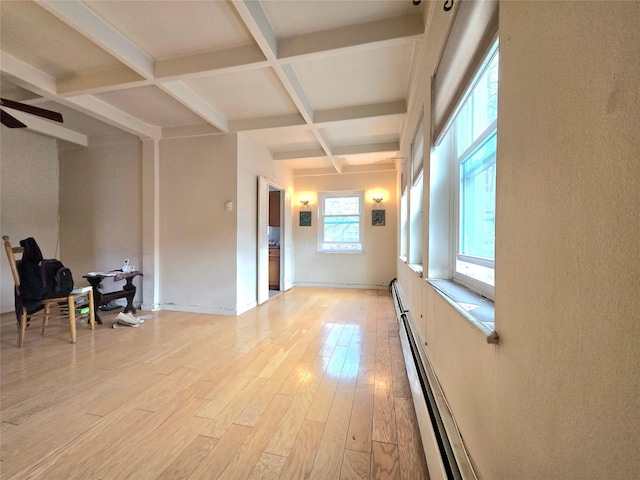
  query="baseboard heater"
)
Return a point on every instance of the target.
[{"x": 441, "y": 440}]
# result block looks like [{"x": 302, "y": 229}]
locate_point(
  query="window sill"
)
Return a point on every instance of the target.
[
  {"x": 476, "y": 309},
  {"x": 417, "y": 268}
]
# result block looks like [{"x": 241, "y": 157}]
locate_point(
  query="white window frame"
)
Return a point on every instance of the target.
[
  {"x": 404, "y": 209},
  {"x": 449, "y": 149},
  {"x": 416, "y": 199},
  {"x": 321, "y": 205}
]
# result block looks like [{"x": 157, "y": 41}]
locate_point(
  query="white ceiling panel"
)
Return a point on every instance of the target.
[
  {"x": 384, "y": 129},
  {"x": 174, "y": 28},
  {"x": 247, "y": 94},
  {"x": 286, "y": 138},
  {"x": 38, "y": 38},
  {"x": 357, "y": 78},
  {"x": 291, "y": 18},
  {"x": 152, "y": 106},
  {"x": 308, "y": 163},
  {"x": 369, "y": 158}
]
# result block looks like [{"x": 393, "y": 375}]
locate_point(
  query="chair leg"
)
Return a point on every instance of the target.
[
  {"x": 45, "y": 319},
  {"x": 23, "y": 326},
  {"x": 72, "y": 318},
  {"x": 92, "y": 313}
]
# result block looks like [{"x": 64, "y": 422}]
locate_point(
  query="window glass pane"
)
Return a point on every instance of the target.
[
  {"x": 478, "y": 201},
  {"x": 342, "y": 206},
  {"x": 342, "y": 229},
  {"x": 403, "y": 224},
  {"x": 340, "y": 221},
  {"x": 480, "y": 109}
]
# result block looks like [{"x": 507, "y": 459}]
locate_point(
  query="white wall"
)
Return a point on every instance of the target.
[
  {"x": 198, "y": 261},
  {"x": 254, "y": 160},
  {"x": 376, "y": 266},
  {"x": 558, "y": 397},
  {"x": 28, "y": 197}
]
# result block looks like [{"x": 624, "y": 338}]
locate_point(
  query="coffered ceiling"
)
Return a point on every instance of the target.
[{"x": 321, "y": 83}]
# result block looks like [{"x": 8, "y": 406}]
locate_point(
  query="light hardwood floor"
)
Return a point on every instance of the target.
[{"x": 311, "y": 384}]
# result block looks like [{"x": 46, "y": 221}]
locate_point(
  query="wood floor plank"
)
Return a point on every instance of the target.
[
  {"x": 219, "y": 457},
  {"x": 328, "y": 462},
  {"x": 385, "y": 461},
  {"x": 189, "y": 459},
  {"x": 268, "y": 467},
  {"x": 355, "y": 465},
  {"x": 310, "y": 384},
  {"x": 247, "y": 456},
  {"x": 220, "y": 423},
  {"x": 303, "y": 452},
  {"x": 401, "y": 387},
  {"x": 361, "y": 421},
  {"x": 410, "y": 452}
]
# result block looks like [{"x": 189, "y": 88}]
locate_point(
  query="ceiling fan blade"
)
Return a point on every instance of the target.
[
  {"x": 40, "y": 112},
  {"x": 9, "y": 121}
]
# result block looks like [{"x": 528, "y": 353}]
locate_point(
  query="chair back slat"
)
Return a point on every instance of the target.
[{"x": 11, "y": 256}]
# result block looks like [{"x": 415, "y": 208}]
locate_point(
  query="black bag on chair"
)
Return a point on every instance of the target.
[
  {"x": 41, "y": 279},
  {"x": 31, "y": 286},
  {"x": 57, "y": 280}
]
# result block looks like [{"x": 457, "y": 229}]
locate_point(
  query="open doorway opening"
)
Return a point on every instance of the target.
[
  {"x": 274, "y": 237},
  {"x": 274, "y": 240}
]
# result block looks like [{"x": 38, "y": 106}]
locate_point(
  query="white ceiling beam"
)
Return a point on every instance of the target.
[
  {"x": 265, "y": 123},
  {"x": 26, "y": 76},
  {"x": 382, "y": 147},
  {"x": 326, "y": 145},
  {"x": 256, "y": 21},
  {"x": 48, "y": 128},
  {"x": 99, "y": 82},
  {"x": 360, "y": 112},
  {"x": 87, "y": 22},
  {"x": 218, "y": 62},
  {"x": 294, "y": 154},
  {"x": 107, "y": 113},
  {"x": 391, "y": 31},
  {"x": 185, "y": 95}
]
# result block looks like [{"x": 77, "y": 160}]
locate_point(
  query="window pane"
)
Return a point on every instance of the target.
[
  {"x": 478, "y": 201},
  {"x": 342, "y": 206},
  {"x": 340, "y": 221},
  {"x": 480, "y": 109},
  {"x": 342, "y": 229}
]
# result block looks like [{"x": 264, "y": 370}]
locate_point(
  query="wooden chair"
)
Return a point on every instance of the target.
[{"x": 78, "y": 297}]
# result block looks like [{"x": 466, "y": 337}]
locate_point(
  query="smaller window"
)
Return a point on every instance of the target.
[{"x": 341, "y": 222}]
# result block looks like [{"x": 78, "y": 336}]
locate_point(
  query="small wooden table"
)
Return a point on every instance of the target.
[{"x": 128, "y": 290}]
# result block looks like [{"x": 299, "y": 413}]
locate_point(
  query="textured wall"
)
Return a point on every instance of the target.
[{"x": 28, "y": 197}]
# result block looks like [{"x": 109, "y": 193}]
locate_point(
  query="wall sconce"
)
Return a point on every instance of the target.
[
  {"x": 304, "y": 201},
  {"x": 377, "y": 198}
]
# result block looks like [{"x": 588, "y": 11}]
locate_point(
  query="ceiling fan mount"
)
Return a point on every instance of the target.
[{"x": 12, "y": 122}]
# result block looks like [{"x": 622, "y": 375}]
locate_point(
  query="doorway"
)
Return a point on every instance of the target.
[
  {"x": 273, "y": 234},
  {"x": 273, "y": 239}
]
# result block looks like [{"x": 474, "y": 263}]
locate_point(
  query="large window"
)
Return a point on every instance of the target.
[
  {"x": 341, "y": 221},
  {"x": 415, "y": 201},
  {"x": 469, "y": 145}
]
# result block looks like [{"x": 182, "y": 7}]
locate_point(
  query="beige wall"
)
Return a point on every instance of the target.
[
  {"x": 28, "y": 198},
  {"x": 198, "y": 261},
  {"x": 101, "y": 209},
  {"x": 558, "y": 397},
  {"x": 373, "y": 268},
  {"x": 254, "y": 160}
]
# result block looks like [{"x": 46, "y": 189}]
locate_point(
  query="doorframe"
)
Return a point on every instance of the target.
[{"x": 264, "y": 186}]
